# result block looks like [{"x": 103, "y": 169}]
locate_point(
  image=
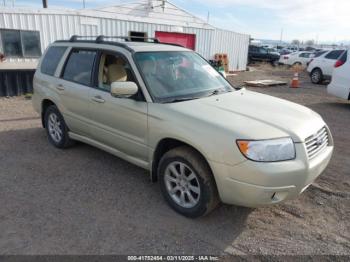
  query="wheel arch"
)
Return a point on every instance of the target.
[
  {"x": 166, "y": 144},
  {"x": 316, "y": 68},
  {"x": 44, "y": 106}
]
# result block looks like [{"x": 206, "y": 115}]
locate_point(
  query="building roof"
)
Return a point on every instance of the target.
[
  {"x": 152, "y": 11},
  {"x": 143, "y": 11}
]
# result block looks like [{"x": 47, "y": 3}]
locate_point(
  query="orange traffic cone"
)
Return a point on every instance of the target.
[{"x": 295, "y": 81}]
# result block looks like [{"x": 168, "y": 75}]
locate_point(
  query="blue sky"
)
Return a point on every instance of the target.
[{"x": 322, "y": 20}]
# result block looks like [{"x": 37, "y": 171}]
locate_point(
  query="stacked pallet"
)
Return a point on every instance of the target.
[{"x": 223, "y": 58}]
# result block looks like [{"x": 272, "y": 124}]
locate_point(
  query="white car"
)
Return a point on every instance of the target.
[
  {"x": 297, "y": 58},
  {"x": 321, "y": 67},
  {"x": 340, "y": 85}
]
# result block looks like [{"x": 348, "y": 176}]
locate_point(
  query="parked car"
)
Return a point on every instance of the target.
[
  {"x": 165, "y": 109},
  {"x": 262, "y": 54},
  {"x": 285, "y": 52},
  {"x": 297, "y": 58},
  {"x": 321, "y": 68},
  {"x": 340, "y": 85},
  {"x": 273, "y": 51}
]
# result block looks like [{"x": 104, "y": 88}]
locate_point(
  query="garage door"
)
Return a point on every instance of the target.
[{"x": 185, "y": 40}]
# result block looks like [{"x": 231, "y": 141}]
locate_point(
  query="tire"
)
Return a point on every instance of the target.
[
  {"x": 274, "y": 63},
  {"x": 56, "y": 128},
  {"x": 297, "y": 64},
  {"x": 191, "y": 189},
  {"x": 316, "y": 76}
]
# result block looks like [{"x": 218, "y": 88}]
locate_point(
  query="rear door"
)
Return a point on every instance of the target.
[
  {"x": 74, "y": 86},
  {"x": 329, "y": 60}
]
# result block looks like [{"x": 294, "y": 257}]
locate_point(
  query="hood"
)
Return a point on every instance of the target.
[
  {"x": 275, "y": 54},
  {"x": 253, "y": 115}
]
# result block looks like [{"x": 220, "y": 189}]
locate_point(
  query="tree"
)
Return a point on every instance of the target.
[
  {"x": 310, "y": 42},
  {"x": 296, "y": 42}
]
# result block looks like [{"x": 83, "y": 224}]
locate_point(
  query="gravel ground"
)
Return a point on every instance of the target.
[{"x": 85, "y": 201}]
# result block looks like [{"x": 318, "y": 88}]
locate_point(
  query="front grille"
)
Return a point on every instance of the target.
[{"x": 317, "y": 142}]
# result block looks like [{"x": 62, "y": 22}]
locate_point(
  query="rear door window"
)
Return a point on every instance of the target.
[
  {"x": 319, "y": 53},
  {"x": 334, "y": 55},
  {"x": 305, "y": 55},
  {"x": 51, "y": 59},
  {"x": 79, "y": 67}
]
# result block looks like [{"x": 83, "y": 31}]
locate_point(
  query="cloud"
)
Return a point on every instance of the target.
[{"x": 327, "y": 18}]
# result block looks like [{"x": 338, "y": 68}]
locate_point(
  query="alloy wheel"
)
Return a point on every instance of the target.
[
  {"x": 182, "y": 184},
  {"x": 316, "y": 76},
  {"x": 55, "y": 128}
]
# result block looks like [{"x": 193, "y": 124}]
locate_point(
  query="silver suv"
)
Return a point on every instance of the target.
[{"x": 164, "y": 108}]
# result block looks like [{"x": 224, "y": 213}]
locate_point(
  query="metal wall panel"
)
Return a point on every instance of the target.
[
  {"x": 61, "y": 26},
  {"x": 235, "y": 45}
]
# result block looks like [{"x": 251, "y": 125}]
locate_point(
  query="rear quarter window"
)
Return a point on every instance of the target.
[
  {"x": 334, "y": 55},
  {"x": 51, "y": 59},
  {"x": 79, "y": 67},
  {"x": 344, "y": 57}
]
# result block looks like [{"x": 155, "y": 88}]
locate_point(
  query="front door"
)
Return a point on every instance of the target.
[{"x": 120, "y": 123}]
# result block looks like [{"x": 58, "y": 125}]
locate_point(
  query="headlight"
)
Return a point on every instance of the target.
[{"x": 267, "y": 150}]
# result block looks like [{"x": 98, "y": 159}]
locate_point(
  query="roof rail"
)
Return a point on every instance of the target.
[
  {"x": 101, "y": 38},
  {"x": 75, "y": 38}
]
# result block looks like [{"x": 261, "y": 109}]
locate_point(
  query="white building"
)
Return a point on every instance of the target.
[{"x": 26, "y": 32}]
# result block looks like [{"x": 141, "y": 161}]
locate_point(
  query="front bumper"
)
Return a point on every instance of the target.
[{"x": 254, "y": 184}]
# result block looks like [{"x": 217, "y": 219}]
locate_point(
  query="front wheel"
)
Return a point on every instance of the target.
[{"x": 187, "y": 183}]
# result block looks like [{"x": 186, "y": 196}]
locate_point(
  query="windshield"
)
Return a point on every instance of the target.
[{"x": 179, "y": 75}]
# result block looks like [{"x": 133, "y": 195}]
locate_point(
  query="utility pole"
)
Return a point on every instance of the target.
[
  {"x": 208, "y": 16},
  {"x": 281, "y": 36},
  {"x": 44, "y": 3},
  {"x": 84, "y": 4}
]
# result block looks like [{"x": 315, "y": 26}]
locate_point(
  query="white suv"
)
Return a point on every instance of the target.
[
  {"x": 321, "y": 67},
  {"x": 165, "y": 109},
  {"x": 340, "y": 85}
]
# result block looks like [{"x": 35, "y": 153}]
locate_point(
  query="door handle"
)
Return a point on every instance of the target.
[
  {"x": 60, "y": 87},
  {"x": 98, "y": 99}
]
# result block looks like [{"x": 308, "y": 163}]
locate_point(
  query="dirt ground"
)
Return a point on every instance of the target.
[{"x": 85, "y": 201}]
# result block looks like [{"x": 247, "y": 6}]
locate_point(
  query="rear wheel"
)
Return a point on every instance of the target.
[
  {"x": 187, "y": 183},
  {"x": 56, "y": 128},
  {"x": 274, "y": 63},
  {"x": 316, "y": 76}
]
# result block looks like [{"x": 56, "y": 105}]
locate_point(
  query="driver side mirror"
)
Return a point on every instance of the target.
[{"x": 123, "y": 89}]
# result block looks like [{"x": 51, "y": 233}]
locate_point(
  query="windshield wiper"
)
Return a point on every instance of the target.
[
  {"x": 181, "y": 99},
  {"x": 219, "y": 91}
]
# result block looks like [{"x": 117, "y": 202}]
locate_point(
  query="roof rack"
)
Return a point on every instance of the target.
[{"x": 100, "y": 39}]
